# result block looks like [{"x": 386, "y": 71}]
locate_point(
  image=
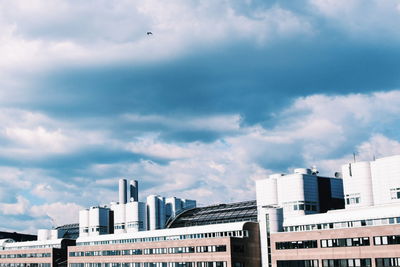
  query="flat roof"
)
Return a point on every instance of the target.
[
  {"x": 344, "y": 215},
  {"x": 214, "y": 228}
]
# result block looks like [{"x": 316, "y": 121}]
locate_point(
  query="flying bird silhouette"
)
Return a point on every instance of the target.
[{"x": 149, "y": 33}]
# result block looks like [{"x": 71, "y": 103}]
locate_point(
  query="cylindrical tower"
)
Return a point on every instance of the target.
[
  {"x": 43, "y": 234},
  {"x": 357, "y": 184},
  {"x": 119, "y": 218},
  {"x": 135, "y": 216},
  {"x": 122, "y": 191},
  {"x": 84, "y": 223},
  {"x": 152, "y": 212},
  {"x": 94, "y": 221},
  {"x": 134, "y": 190}
]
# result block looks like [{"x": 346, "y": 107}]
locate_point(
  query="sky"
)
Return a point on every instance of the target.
[{"x": 223, "y": 93}]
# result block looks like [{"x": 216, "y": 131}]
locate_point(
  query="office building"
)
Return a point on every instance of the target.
[
  {"x": 365, "y": 233},
  {"x": 218, "y": 245}
]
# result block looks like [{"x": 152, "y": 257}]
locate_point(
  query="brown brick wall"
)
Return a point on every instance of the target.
[{"x": 372, "y": 251}]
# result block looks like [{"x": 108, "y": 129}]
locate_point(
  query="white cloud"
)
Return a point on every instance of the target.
[
  {"x": 18, "y": 208},
  {"x": 44, "y": 33},
  {"x": 58, "y": 213},
  {"x": 364, "y": 19},
  {"x": 318, "y": 129}
]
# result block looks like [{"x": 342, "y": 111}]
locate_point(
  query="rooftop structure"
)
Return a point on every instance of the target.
[
  {"x": 17, "y": 236},
  {"x": 215, "y": 214}
]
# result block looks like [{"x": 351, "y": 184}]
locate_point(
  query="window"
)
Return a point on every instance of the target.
[
  {"x": 387, "y": 240},
  {"x": 298, "y": 263},
  {"x": 395, "y": 193},
  {"x": 387, "y": 262},
  {"x": 352, "y": 199},
  {"x": 347, "y": 263},
  {"x": 296, "y": 244},
  {"x": 345, "y": 242}
]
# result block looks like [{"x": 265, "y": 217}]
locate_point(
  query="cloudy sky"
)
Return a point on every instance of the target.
[{"x": 222, "y": 94}]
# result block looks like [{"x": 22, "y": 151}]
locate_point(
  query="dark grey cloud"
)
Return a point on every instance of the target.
[{"x": 241, "y": 78}]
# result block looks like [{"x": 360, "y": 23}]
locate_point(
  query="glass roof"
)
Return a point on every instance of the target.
[{"x": 221, "y": 213}]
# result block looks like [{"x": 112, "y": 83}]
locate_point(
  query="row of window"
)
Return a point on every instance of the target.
[
  {"x": 300, "y": 205},
  {"x": 33, "y": 247},
  {"x": 340, "y": 225},
  {"x": 153, "y": 264},
  {"x": 99, "y": 229},
  {"x": 150, "y": 251},
  {"x": 339, "y": 242},
  {"x": 241, "y": 234},
  {"x": 25, "y": 265},
  {"x": 26, "y": 255},
  {"x": 296, "y": 244},
  {"x": 379, "y": 262},
  {"x": 387, "y": 262},
  {"x": 325, "y": 243},
  {"x": 297, "y": 263},
  {"x": 387, "y": 240},
  {"x": 345, "y": 242},
  {"x": 347, "y": 263}
]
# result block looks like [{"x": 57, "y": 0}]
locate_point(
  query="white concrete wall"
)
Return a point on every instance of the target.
[
  {"x": 267, "y": 192},
  {"x": 135, "y": 217},
  {"x": 119, "y": 218},
  {"x": 385, "y": 176},
  {"x": 155, "y": 212},
  {"x": 357, "y": 179},
  {"x": 84, "y": 222}
]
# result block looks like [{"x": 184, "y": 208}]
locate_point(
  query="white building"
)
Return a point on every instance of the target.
[
  {"x": 283, "y": 196},
  {"x": 128, "y": 216},
  {"x": 372, "y": 183},
  {"x": 174, "y": 205},
  {"x": 94, "y": 221},
  {"x": 156, "y": 217}
]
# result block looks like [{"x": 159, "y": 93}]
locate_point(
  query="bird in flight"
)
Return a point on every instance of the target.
[{"x": 149, "y": 33}]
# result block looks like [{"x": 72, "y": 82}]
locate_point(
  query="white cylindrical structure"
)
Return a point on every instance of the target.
[
  {"x": 54, "y": 234},
  {"x": 119, "y": 218},
  {"x": 267, "y": 192},
  {"x": 122, "y": 191},
  {"x": 135, "y": 216},
  {"x": 43, "y": 234},
  {"x": 134, "y": 190},
  {"x": 84, "y": 223},
  {"x": 385, "y": 174},
  {"x": 155, "y": 212},
  {"x": 357, "y": 184},
  {"x": 94, "y": 221},
  {"x": 152, "y": 212}
]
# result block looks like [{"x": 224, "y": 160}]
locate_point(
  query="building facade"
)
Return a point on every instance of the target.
[
  {"x": 220, "y": 245},
  {"x": 44, "y": 253}
]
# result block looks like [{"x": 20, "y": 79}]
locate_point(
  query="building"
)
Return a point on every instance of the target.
[
  {"x": 94, "y": 221},
  {"x": 17, "y": 236},
  {"x": 282, "y": 196},
  {"x": 218, "y": 245},
  {"x": 365, "y": 233},
  {"x": 41, "y": 253},
  {"x": 245, "y": 211},
  {"x": 298, "y": 220},
  {"x": 129, "y": 214}
]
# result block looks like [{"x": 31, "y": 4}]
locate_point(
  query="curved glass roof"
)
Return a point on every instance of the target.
[
  {"x": 70, "y": 231},
  {"x": 221, "y": 213}
]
